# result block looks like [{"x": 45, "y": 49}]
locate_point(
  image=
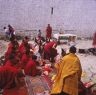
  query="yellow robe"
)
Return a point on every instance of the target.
[{"x": 69, "y": 73}]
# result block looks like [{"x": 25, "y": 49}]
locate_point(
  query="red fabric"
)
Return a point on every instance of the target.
[
  {"x": 24, "y": 60},
  {"x": 30, "y": 68},
  {"x": 8, "y": 63},
  {"x": 15, "y": 65},
  {"x": 7, "y": 76},
  {"x": 47, "y": 69},
  {"x": 9, "y": 50},
  {"x": 47, "y": 49},
  {"x": 22, "y": 49},
  {"x": 48, "y": 32},
  {"x": 94, "y": 39},
  {"x": 48, "y": 46}
]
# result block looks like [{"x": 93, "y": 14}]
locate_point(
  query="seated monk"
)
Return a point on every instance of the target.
[
  {"x": 12, "y": 46},
  {"x": 25, "y": 58},
  {"x": 50, "y": 50},
  {"x": 31, "y": 68},
  {"x": 9, "y": 77},
  {"x": 12, "y": 61},
  {"x": 23, "y": 46}
]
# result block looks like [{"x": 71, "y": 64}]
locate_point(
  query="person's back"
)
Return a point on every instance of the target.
[
  {"x": 25, "y": 58},
  {"x": 49, "y": 50},
  {"x": 7, "y": 76},
  {"x": 31, "y": 68},
  {"x": 48, "y": 32},
  {"x": 49, "y": 45},
  {"x": 69, "y": 73}
]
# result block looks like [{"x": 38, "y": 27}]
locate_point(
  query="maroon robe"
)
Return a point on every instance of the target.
[
  {"x": 47, "y": 49},
  {"x": 24, "y": 60},
  {"x": 30, "y": 68},
  {"x": 7, "y": 76},
  {"x": 48, "y": 32},
  {"x": 94, "y": 40}
]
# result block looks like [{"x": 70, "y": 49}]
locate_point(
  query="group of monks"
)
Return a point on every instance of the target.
[{"x": 21, "y": 60}]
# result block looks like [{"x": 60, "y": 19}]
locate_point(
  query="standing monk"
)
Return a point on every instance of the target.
[
  {"x": 48, "y": 32},
  {"x": 94, "y": 40},
  {"x": 68, "y": 75}
]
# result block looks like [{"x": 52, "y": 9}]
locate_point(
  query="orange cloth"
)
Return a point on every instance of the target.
[{"x": 68, "y": 75}]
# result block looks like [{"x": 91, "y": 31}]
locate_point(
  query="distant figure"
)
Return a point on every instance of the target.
[
  {"x": 39, "y": 34},
  {"x": 11, "y": 30},
  {"x": 6, "y": 32},
  {"x": 68, "y": 75},
  {"x": 94, "y": 40},
  {"x": 48, "y": 32},
  {"x": 39, "y": 37}
]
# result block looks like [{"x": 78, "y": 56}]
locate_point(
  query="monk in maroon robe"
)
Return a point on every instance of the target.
[
  {"x": 94, "y": 40},
  {"x": 8, "y": 74},
  {"x": 49, "y": 50},
  {"x": 12, "y": 47},
  {"x": 31, "y": 68},
  {"x": 24, "y": 45},
  {"x": 48, "y": 32},
  {"x": 25, "y": 58},
  {"x": 13, "y": 61}
]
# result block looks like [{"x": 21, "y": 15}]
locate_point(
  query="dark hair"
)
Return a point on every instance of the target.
[
  {"x": 26, "y": 37},
  {"x": 12, "y": 56},
  {"x": 72, "y": 49},
  {"x": 63, "y": 52},
  {"x": 4, "y": 27},
  {"x": 39, "y": 30},
  {"x": 34, "y": 57}
]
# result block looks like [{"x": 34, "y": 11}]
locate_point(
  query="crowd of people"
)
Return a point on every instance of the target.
[{"x": 23, "y": 59}]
